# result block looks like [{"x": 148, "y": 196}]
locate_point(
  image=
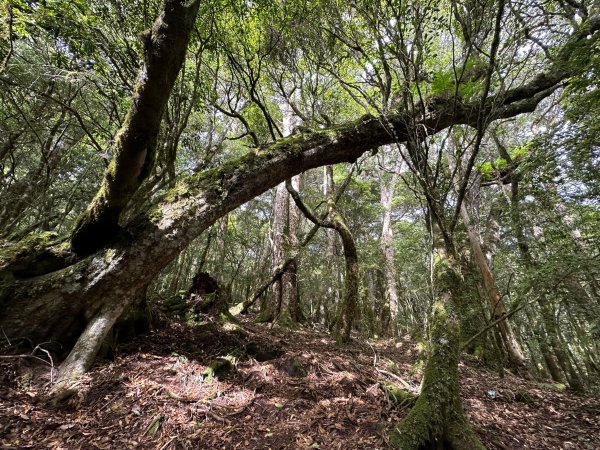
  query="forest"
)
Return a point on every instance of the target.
[{"x": 296, "y": 224}]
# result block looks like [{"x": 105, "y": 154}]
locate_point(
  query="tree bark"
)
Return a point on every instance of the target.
[
  {"x": 437, "y": 420},
  {"x": 84, "y": 352},
  {"x": 336, "y": 222},
  {"x": 496, "y": 303},
  {"x": 492, "y": 293},
  {"x": 291, "y": 297},
  {"x": 280, "y": 212},
  {"x": 548, "y": 318},
  {"x": 350, "y": 304},
  {"x": 387, "y": 244},
  {"x": 165, "y": 45},
  {"x": 329, "y": 294}
]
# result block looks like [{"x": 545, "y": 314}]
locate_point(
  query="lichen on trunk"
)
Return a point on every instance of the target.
[
  {"x": 437, "y": 421},
  {"x": 84, "y": 353}
]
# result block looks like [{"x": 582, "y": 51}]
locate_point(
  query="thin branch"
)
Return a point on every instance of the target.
[
  {"x": 482, "y": 118},
  {"x": 497, "y": 321}
]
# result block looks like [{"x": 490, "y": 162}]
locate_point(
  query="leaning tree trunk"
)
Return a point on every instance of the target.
[
  {"x": 494, "y": 298},
  {"x": 437, "y": 420},
  {"x": 85, "y": 350},
  {"x": 165, "y": 45},
  {"x": 492, "y": 293}
]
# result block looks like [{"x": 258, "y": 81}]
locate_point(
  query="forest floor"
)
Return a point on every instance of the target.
[{"x": 285, "y": 390}]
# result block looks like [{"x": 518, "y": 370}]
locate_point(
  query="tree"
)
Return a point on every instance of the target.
[
  {"x": 387, "y": 243},
  {"x": 135, "y": 144},
  {"x": 336, "y": 222},
  {"x": 49, "y": 291}
]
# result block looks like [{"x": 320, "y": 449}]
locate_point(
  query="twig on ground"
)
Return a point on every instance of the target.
[
  {"x": 166, "y": 445},
  {"x": 390, "y": 374},
  {"x": 7, "y": 339},
  {"x": 374, "y": 355},
  {"x": 39, "y": 347},
  {"x": 404, "y": 383}
]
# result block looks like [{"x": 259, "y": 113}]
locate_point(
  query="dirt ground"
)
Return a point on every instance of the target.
[{"x": 278, "y": 389}]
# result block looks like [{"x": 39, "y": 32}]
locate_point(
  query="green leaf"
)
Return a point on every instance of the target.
[{"x": 443, "y": 81}]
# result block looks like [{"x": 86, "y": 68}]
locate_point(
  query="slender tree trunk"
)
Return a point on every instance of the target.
[
  {"x": 496, "y": 303},
  {"x": 350, "y": 302},
  {"x": 291, "y": 299},
  {"x": 547, "y": 355},
  {"x": 175, "y": 280},
  {"x": 348, "y": 309},
  {"x": 222, "y": 297},
  {"x": 372, "y": 300},
  {"x": 582, "y": 300},
  {"x": 558, "y": 346},
  {"x": 280, "y": 212},
  {"x": 492, "y": 293},
  {"x": 387, "y": 244},
  {"x": 285, "y": 244},
  {"x": 329, "y": 296},
  {"x": 550, "y": 323}
]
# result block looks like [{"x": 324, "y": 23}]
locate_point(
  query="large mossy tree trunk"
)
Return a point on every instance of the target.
[
  {"x": 48, "y": 293},
  {"x": 437, "y": 421},
  {"x": 165, "y": 45}
]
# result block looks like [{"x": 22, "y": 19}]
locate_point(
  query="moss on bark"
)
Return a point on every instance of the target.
[
  {"x": 437, "y": 421},
  {"x": 397, "y": 395},
  {"x": 35, "y": 255},
  {"x": 134, "y": 148}
]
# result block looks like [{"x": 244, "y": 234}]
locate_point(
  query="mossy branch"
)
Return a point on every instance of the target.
[{"x": 165, "y": 45}]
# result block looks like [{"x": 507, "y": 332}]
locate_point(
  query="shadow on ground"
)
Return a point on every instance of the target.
[{"x": 284, "y": 390}]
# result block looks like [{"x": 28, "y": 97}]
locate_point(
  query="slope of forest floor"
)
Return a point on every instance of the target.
[{"x": 285, "y": 390}]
